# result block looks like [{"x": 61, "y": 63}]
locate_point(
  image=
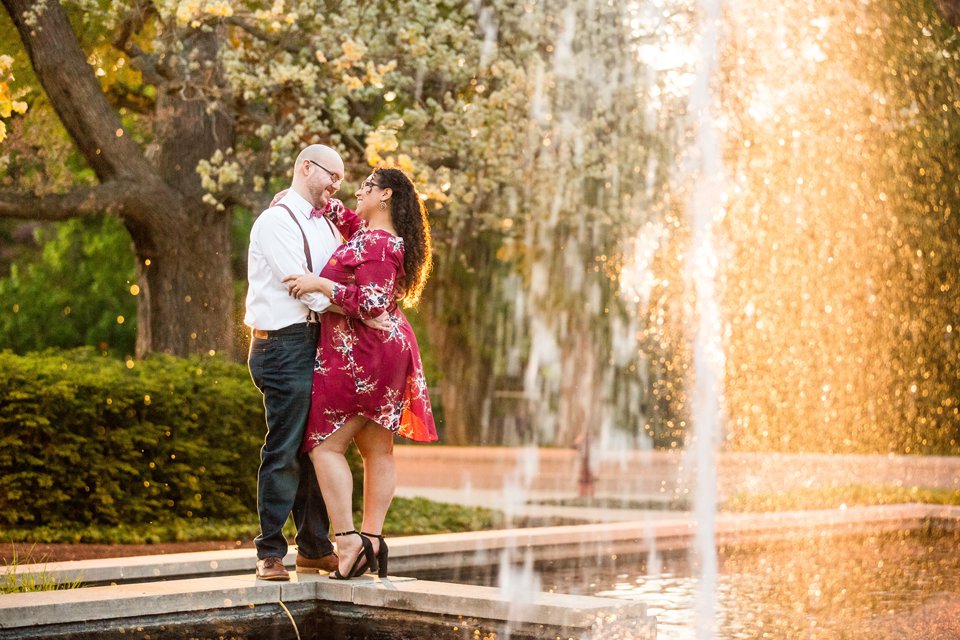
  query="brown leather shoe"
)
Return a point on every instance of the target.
[
  {"x": 272, "y": 569},
  {"x": 326, "y": 563}
]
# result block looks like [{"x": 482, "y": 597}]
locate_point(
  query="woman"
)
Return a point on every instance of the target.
[{"x": 368, "y": 383}]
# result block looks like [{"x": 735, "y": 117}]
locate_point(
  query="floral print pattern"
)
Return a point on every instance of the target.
[{"x": 360, "y": 370}]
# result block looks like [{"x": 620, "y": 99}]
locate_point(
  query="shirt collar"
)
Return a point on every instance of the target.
[{"x": 297, "y": 203}]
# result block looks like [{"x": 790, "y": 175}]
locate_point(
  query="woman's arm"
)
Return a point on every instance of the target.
[
  {"x": 371, "y": 293},
  {"x": 300, "y": 285},
  {"x": 346, "y": 220}
]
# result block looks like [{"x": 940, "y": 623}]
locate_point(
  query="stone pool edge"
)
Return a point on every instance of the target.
[{"x": 158, "y": 588}]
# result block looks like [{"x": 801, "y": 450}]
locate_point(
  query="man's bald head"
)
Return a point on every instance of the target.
[
  {"x": 324, "y": 155},
  {"x": 317, "y": 174}
]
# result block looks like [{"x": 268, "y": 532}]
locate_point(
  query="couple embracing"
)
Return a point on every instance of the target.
[{"x": 335, "y": 359}]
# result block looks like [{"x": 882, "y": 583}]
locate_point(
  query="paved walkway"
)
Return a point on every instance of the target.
[{"x": 523, "y": 474}]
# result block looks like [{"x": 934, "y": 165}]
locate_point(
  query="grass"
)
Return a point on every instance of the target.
[
  {"x": 10, "y": 582},
  {"x": 407, "y": 516},
  {"x": 836, "y": 497}
]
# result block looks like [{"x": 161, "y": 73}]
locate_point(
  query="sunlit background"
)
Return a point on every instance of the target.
[{"x": 627, "y": 199}]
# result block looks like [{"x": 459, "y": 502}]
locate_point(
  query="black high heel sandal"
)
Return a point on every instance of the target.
[
  {"x": 366, "y": 553},
  {"x": 382, "y": 554}
]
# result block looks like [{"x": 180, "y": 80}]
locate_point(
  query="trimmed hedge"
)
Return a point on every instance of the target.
[{"x": 89, "y": 440}]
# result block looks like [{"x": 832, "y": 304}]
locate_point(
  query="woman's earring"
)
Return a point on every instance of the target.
[{"x": 383, "y": 205}]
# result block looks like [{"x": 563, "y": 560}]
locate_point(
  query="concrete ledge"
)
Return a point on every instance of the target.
[
  {"x": 449, "y": 550},
  {"x": 123, "y": 601},
  {"x": 490, "y": 603},
  {"x": 154, "y": 567},
  {"x": 237, "y": 592},
  {"x": 36, "y": 610}
]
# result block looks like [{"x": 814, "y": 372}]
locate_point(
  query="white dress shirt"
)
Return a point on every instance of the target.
[{"x": 276, "y": 251}]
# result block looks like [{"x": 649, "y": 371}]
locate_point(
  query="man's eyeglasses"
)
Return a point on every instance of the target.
[{"x": 334, "y": 177}]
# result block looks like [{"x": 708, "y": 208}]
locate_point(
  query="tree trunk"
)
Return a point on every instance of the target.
[
  {"x": 950, "y": 9},
  {"x": 182, "y": 244},
  {"x": 463, "y": 388},
  {"x": 186, "y": 285},
  {"x": 466, "y": 375}
]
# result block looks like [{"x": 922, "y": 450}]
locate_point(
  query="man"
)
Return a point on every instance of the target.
[{"x": 282, "y": 355}]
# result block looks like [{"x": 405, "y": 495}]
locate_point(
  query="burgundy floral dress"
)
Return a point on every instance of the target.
[{"x": 360, "y": 370}]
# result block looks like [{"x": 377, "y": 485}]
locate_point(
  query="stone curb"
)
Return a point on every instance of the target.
[
  {"x": 407, "y": 594},
  {"x": 445, "y": 550}
]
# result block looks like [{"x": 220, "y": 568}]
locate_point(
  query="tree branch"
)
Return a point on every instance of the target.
[
  {"x": 950, "y": 10},
  {"x": 248, "y": 198},
  {"x": 74, "y": 91},
  {"x": 122, "y": 96},
  {"x": 260, "y": 34},
  {"x": 146, "y": 63},
  {"x": 83, "y": 201}
]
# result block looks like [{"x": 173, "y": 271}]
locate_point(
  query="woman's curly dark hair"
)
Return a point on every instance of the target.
[{"x": 410, "y": 220}]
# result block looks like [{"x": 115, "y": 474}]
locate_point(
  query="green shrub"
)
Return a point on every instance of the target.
[
  {"x": 96, "y": 449},
  {"x": 87, "y": 440}
]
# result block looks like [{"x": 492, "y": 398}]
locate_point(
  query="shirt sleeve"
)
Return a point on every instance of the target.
[
  {"x": 346, "y": 220},
  {"x": 282, "y": 247},
  {"x": 372, "y": 291}
]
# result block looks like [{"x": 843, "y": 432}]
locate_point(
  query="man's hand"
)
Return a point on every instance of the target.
[{"x": 381, "y": 322}]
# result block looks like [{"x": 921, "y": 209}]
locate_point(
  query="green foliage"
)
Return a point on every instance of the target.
[
  {"x": 407, "y": 516},
  {"x": 835, "y": 497},
  {"x": 167, "y": 530},
  {"x": 88, "y": 440},
  {"x": 99, "y": 450},
  {"x": 523, "y": 125},
  {"x": 416, "y": 516},
  {"x": 75, "y": 293}
]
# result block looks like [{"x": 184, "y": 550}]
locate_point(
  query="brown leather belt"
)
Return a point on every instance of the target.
[{"x": 292, "y": 330}]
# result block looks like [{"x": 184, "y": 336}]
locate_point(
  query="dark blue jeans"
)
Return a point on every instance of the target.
[{"x": 282, "y": 368}]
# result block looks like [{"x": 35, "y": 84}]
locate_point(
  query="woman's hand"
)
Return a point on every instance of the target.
[
  {"x": 279, "y": 195},
  {"x": 299, "y": 285},
  {"x": 381, "y": 323}
]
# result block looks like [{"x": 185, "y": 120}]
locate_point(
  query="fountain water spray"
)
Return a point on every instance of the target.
[{"x": 705, "y": 207}]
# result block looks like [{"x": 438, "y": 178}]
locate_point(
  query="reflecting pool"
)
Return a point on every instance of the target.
[{"x": 903, "y": 587}]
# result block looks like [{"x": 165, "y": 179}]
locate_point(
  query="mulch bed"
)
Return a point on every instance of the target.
[{"x": 41, "y": 553}]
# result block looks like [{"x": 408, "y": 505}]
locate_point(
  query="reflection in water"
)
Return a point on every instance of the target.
[
  {"x": 877, "y": 588},
  {"x": 890, "y": 587}
]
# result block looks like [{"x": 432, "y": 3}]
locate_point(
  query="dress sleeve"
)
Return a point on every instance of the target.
[
  {"x": 346, "y": 220},
  {"x": 375, "y": 275}
]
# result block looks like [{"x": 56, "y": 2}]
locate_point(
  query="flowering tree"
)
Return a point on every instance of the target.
[{"x": 521, "y": 123}]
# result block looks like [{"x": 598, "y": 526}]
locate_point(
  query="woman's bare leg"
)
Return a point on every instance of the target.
[
  {"x": 336, "y": 484},
  {"x": 379, "y": 476}
]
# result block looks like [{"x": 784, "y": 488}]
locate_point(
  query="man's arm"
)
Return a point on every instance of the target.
[{"x": 282, "y": 247}]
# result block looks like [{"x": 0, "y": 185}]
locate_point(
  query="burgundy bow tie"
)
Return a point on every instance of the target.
[{"x": 316, "y": 213}]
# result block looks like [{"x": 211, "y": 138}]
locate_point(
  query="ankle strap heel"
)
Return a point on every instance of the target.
[
  {"x": 382, "y": 554},
  {"x": 365, "y": 561}
]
